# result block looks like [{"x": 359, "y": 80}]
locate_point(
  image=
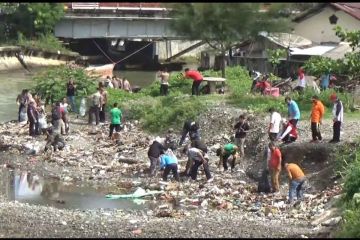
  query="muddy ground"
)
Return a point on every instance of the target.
[{"x": 227, "y": 207}]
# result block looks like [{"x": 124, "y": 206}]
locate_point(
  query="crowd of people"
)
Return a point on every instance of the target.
[
  {"x": 279, "y": 130},
  {"x": 161, "y": 151}
]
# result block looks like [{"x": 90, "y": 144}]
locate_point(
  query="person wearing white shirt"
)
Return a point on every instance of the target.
[
  {"x": 338, "y": 117},
  {"x": 274, "y": 126}
]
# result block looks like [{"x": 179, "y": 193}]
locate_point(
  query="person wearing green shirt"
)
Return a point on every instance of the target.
[
  {"x": 224, "y": 153},
  {"x": 116, "y": 117}
]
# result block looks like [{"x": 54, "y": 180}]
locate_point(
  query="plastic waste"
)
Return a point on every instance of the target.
[
  {"x": 139, "y": 193},
  {"x": 82, "y": 109}
]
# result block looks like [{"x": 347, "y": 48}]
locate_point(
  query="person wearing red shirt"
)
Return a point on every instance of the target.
[
  {"x": 274, "y": 166},
  {"x": 197, "y": 79}
]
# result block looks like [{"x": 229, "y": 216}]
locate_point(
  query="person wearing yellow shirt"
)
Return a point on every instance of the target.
[{"x": 296, "y": 180}]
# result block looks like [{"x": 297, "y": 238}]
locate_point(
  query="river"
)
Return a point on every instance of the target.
[{"x": 14, "y": 81}]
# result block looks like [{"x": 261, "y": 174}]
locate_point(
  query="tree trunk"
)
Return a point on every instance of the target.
[{"x": 223, "y": 64}]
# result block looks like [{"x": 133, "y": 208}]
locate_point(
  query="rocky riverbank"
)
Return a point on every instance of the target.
[{"x": 227, "y": 207}]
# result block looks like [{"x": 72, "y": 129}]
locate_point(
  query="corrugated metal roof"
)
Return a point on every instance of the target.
[
  {"x": 311, "y": 51},
  {"x": 287, "y": 39},
  {"x": 339, "y": 51}
]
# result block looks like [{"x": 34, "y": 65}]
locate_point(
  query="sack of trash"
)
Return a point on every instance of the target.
[{"x": 264, "y": 183}]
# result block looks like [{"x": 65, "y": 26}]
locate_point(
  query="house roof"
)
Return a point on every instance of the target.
[
  {"x": 311, "y": 51},
  {"x": 353, "y": 9},
  {"x": 339, "y": 51},
  {"x": 287, "y": 39}
]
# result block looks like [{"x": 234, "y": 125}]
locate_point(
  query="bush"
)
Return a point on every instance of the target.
[
  {"x": 349, "y": 165},
  {"x": 46, "y": 42},
  {"x": 51, "y": 83},
  {"x": 158, "y": 114}
]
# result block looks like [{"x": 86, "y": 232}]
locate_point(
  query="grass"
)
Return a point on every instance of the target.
[{"x": 157, "y": 113}]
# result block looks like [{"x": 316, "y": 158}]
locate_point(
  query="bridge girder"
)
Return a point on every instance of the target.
[{"x": 115, "y": 27}]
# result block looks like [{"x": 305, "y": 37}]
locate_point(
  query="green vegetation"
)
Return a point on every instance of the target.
[
  {"x": 31, "y": 25},
  {"x": 349, "y": 168},
  {"x": 44, "y": 42},
  {"x": 51, "y": 83},
  {"x": 222, "y": 25},
  {"x": 349, "y": 65}
]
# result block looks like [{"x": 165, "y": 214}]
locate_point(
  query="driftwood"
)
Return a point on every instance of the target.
[{"x": 128, "y": 160}]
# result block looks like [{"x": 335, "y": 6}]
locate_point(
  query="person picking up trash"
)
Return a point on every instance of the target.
[
  {"x": 289, "y": 134},
  {"x": 54, "y": 140},
  {"x": 169, "y": 162},
  {"x": 296, "y": 180},
  {"x": 197, "y": 156},
  {"x": 155, "y": 150},
  {"x": 191, "y": 127},
  {"x": 224, "y": 154}
]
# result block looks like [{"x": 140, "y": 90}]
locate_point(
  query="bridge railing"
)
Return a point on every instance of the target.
[{"x": 84, "y": 5}]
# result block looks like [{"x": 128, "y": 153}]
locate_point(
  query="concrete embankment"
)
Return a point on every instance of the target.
[{"x": 11, "y": 56}]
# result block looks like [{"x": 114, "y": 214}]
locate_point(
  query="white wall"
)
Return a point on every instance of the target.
[
  {"x": 176, "y": 47},
  {"x": 318, "y": 29}
]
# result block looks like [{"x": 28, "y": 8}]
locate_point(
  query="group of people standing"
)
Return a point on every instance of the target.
[{"x": 117, "y": 83}]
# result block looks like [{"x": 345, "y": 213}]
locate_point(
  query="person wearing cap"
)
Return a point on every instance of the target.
[
  {"x": 289, "y": 134},
  {"x": 317, "y": 113},
  {"x": 293, "y": 111},
  {"x": 296, "y": 180},
  {"x": 197, "y": 79},
  {"x": 338, "y": 117}
]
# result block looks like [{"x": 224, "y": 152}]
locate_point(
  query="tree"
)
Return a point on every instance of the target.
[
  {"x": 222, "y": 25},
  {"x": 274, "y": 56},
  {"x": 31, "y": 19}
]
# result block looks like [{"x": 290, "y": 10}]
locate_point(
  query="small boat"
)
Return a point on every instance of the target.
[{"x": 101, "y": 71}]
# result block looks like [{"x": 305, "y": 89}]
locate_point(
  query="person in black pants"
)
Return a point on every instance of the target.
[
  {"x": 315, "y": 131},
  {"x": 198, "y": 158},
  {"x": 197, "y": 79},
  {"x": 338, "y": 117},
  {"x": 33, "y": 119},
  {"x": 155, "y": 150},
  {"x": 191, "y": 127}
]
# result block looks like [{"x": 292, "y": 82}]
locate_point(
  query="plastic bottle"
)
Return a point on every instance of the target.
[{"x": 82, "y": 109}]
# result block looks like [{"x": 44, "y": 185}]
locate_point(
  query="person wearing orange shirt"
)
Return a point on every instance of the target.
[
  {"x": 296, "y": 180},
  {"x": 317, "y": 113},
  {"x": 274, "y": 166}
]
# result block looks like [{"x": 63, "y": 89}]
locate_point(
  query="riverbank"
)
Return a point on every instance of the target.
[
  {"x": 230, "y": 204},
  {"x": 32, "y": 57}
]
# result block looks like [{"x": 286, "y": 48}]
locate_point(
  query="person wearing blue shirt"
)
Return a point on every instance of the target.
[
  {"x": 293, "y": 111},
  {"x": 169, "y": 162},
  {"x": 325, "y": 81}
]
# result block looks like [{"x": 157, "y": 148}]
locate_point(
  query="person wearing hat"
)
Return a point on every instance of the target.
[
  {"x": 289, "y": 134},
  {"x": 317, "y": 113},
  {"x": 338, "y": 117}
]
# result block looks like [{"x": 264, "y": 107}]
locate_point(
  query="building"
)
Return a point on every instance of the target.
[{"x": 317, "y": 24}]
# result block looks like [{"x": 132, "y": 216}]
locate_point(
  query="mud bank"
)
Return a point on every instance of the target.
[{"x": 32, "y": 57}]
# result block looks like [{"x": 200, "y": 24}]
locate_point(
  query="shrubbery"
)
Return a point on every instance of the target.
[
  {"x": 51, "y": 83},
  {"x": 349, "y": 160}
]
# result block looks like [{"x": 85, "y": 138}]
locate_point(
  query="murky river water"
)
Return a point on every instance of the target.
[
  {"x": 12, "y": 83},
  {"x": 30, "y": 188}
]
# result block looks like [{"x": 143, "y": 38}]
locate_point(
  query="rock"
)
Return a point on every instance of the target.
[
  {"x": 332, "y": 221},
  {"x": 64, "y": 223},
  {"x": 137, "y": 231},
  {"x": 356, "y": 198},
  {"x": 324, "y": 216}
]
